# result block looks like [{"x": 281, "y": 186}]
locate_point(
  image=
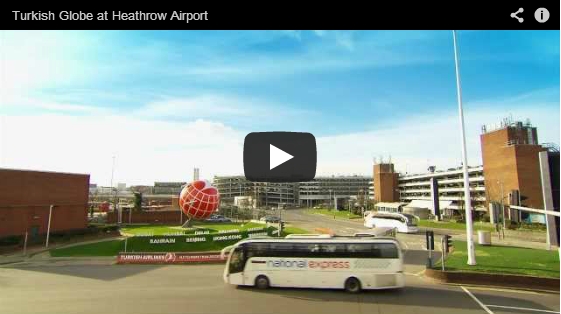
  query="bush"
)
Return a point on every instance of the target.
[
  {"x": 110, "y": 228},
  {"x": 11, "y": 240},
  {"x": 486, "y": 218},
  {"x": 533, "y": 226},
  {"x": 512, "y": 225}
]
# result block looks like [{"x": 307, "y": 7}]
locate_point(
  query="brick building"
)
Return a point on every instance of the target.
[
  {"x": 386, "y": 182},
  {"x": 26, "y": 196},
  {"x": 510, "y": 156}
]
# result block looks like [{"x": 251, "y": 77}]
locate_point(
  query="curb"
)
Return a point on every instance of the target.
[
  {"x": 494, "y": 280},
  {"x": 11, "y": 262}
]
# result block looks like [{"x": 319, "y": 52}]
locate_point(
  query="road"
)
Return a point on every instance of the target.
[
  {"x": 199, "y": 289},
  {"x": 93, "y": 288}
]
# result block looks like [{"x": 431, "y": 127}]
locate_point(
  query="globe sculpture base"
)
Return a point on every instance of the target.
[{"x": 187, "y": 224}]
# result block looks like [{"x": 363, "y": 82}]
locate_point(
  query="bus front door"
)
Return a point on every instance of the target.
[{"x": 236, "y": 266}]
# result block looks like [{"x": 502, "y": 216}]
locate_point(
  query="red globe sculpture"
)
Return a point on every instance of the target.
[{"x": 199, "y": 199}]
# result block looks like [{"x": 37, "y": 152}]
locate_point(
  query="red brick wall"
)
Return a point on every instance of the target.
[
  {"x": 160, "y": 216},
  {"x": 517, "y": 167},
  {"x": 25, "y": 197},
  {"x": 528, "y": 167},
  {"x": 385, "y": 183}
]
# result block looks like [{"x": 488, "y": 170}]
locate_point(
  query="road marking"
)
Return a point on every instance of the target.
[
  {"x": 483, "y": 306},
  {"x": 521, "y": 308},
  {"x": 491, "y": 288}
]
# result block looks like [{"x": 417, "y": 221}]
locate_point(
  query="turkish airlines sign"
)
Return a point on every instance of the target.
[{"x": 169, "y": 258}]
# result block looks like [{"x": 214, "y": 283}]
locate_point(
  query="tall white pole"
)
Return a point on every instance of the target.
[
  {"x": 467, "y": 198},
  {"x": 546, "y": 192}
]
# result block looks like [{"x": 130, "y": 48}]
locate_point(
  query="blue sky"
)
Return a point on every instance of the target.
[{"x": 352, "y": 85}]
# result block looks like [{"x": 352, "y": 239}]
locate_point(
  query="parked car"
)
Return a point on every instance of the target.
[
  {"x": 271, "y": 219},
  {"x": 218, "y": 218}
]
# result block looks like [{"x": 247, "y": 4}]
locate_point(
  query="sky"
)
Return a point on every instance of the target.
[{"x": 146, "y": 106}]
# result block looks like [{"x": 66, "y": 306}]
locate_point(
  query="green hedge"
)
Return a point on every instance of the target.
[
  {"x": 190, "y": 243},
  {"x": 142, "y": 244}
]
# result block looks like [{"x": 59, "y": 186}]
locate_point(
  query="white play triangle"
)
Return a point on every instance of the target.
[{"x": 277, "y": 156}]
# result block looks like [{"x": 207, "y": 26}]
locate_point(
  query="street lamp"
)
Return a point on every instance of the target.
[{"x": 467, "y": 198}]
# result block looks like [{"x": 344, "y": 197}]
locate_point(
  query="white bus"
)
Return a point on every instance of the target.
[
  {"x": 403, "y": 223},
  {"x": 322, "y": 261}
]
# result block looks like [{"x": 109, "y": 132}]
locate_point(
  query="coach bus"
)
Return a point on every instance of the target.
[
  {"x": 403, "y": 223},
  {"x": 351, "y": 263}
]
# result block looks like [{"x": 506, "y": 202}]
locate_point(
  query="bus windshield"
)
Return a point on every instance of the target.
[{"x": 411, "y": 220}]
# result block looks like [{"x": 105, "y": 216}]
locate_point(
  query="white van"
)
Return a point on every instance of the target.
[{"x": 404, "y": 223}]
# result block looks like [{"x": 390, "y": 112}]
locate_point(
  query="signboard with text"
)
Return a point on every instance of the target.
[{"x": 169, "y": 258}]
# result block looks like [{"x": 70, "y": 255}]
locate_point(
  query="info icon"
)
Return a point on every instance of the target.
[{"x": 279, "y": 157}]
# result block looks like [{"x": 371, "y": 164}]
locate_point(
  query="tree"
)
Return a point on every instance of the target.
[{"x": 137, "y": 201}]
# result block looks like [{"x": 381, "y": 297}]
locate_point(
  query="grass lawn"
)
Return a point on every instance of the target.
[
  {"x": 454, "y": 225},
  {"x": 506, "y": 260},
  {"x": 142, "y": 244},
  {"x": 336, "y": 213},
  {"x": 105, "y": 248},
  {"x": 175, "y": 229},
  {"x": 293, "y": 230}
]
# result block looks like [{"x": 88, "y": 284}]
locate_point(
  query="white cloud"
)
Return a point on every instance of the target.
[
  {"x": 31, "y": 103},
  {"x": 199, "y": 106},
  {"x": 417, "y": 142},
  {"x": 30, "y": 59},
  {"x": 226, "y": 108},
  {"x": 146, "y": 151}
]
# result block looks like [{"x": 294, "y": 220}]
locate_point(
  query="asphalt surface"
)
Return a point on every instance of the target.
[
  {"x": 200, "y": 289},
  {"x": 98, "y": 288}
]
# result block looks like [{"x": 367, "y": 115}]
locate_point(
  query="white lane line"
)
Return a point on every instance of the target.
[
  {"x": 420, "y": 272},
  {"x": 483, "y": 306},
  {"x": 504, "y": 290},
  {"x": 521, "y": 308}
]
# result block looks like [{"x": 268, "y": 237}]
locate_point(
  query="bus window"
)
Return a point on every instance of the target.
[
  {"x": 359, "y": 250},
  {"x": 258, "y": 249},
  {"x": 237, "y": 260},
  {"x": 280, "y": 250},
  {"x": 305, "y": 250},
  {"x": 333, "y": 250},
  {"x": 384, "y": 250}
]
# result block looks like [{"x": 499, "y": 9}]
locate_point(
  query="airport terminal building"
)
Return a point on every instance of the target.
[
  {"x": 510, "y": 175},
  {"x": 321, "y": 191}
]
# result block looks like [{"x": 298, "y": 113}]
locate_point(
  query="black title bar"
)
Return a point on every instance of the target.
[{"x": 480, "y": 15}]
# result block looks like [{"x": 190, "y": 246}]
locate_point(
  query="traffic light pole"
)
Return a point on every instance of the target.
[{"x": 443, "y": 252}]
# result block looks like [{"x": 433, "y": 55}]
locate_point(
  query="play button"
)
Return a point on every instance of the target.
[{"x": 279, "y": 157}]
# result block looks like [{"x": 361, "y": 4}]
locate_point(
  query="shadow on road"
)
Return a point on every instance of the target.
[
  {"x": 419, "y": 296},
  {"x": 419, "y": 257},
  {"x": 91, "y": 272}
]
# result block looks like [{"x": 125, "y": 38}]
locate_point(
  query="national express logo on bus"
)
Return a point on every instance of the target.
[{"x": 307, "y": 264}]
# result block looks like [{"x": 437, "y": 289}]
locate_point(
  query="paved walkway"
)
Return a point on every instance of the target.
[{"x": 41, "y": 254}]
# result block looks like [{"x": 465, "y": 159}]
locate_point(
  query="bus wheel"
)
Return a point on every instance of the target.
[
  {"x": 262, "y": 282},
  {"x": 352, "y": 285}
]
